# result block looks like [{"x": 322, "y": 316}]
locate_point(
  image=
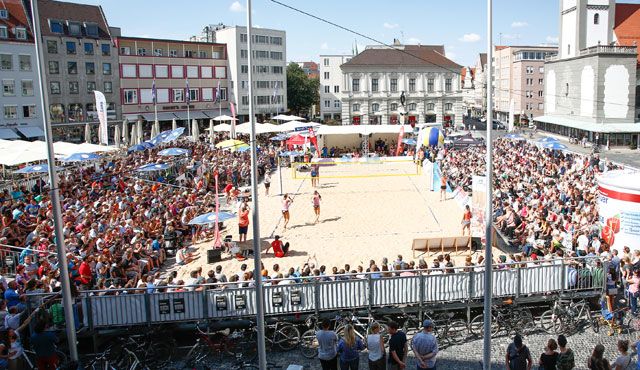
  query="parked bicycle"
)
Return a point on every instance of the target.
[
  {"x": 282, "y": 334},
  {"x": 361, "y": 325},
  {"x": 567, "y": 317},
  {"x": 447, "y": 328},
  {"x": 231, "y": 337},
  {"x": 506, "y": 319}
]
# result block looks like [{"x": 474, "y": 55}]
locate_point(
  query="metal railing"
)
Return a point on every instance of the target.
[
  {"x": 609, "y": 49},
  {"x": 126, "y": 307}
]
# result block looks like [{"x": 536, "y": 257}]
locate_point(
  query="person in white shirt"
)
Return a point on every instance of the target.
[{"x": 583, "y": 244}]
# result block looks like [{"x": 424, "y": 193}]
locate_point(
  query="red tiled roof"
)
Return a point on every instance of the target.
[
  {"x": 463, "y": 73},
  {"x": 499, "y": 47},
  {"x": 64, "y": 11},
  {"x": 412, "y": 55},
  {"x": 17, "y": 18},
  {"x": 627, "y": 25}
]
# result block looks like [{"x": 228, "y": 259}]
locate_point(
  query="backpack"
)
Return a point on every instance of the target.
[{"x": 519, "y": 359}]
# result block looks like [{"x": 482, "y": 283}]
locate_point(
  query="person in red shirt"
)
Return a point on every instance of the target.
[
  {"x": 279, "y": 250},
  {"x": 85, "y": 271},
  {"x": 243, "y": 223}
]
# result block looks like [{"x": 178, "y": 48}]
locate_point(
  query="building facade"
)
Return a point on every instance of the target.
[
  {"x": 311, "y": 69},
  {"x": 518, "y": 84},
  {"x": 21, "y": 109},
  {"x": 331, "y": 87},
  {"x": 374, "y": 81},
  {"x": 591, "y": 85},
  {"x": 269, "y": 68},
  {"x": 172, "y": 65},
  {"x": 480, "y": 87},
  {"x": 467, "y": 80},
  {"x": 79, "y": 57}
]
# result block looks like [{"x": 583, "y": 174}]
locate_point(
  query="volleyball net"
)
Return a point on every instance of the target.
[{"x": 336, "y": 168}]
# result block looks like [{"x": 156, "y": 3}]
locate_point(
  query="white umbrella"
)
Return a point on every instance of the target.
[
  {"x": 211, "y": 131},
  {"x": 174, "y": 125},
  {"x": 155, "y": 129},
  {"x": 293, "y": 125},
  {"x": 125, "y": 131},
  {"x": 280, "y": 117},
  {"x": 294, "y": 118},
  {"x": 223, "y": 127},
  {"x": 139, "y": 138},
  {"x": 134, "y": 136},
  {"x": 224, "y": 117},
  {"x": 87, "y": 133},
  {"x": 117, "y": 136},
  {"x": 195, "y": 131}
]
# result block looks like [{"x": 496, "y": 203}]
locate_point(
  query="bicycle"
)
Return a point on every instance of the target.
[
  {"x": 409, "y": 323},
  {"x": 151, "y": 351},
  {"x": 508, "y": 319},
  {"x": 281, "y": 333},
  {"x": 361, "y": 326},
  {"x": 308, "y": 340},
  {"x": 30, "y": 361},
  {"x": 235, "y": 343},
  {"x": 446, "y": 328},
  {"x": 567, "y": 316},
  {"x": 100, "y": 361}
]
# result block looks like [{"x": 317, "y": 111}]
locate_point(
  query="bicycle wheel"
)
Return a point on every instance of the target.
[
  {"x": 526, "y": 324},
  {"x": 287, "y": 337},
  {"x": 158, "y": 353},
  {"x": 197, "y": 354},
  {"x": 551, "y": 322},
  {"x": 456, "y": 332},
  {"x": 476, "y": 326},
  {"x": 309, "y": 344}
]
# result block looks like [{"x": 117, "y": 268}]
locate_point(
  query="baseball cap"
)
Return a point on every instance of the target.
[{"x": 427, "y": 324}]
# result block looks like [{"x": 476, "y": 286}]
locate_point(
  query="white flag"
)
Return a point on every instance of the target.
[{"x": 101, "y": 108}]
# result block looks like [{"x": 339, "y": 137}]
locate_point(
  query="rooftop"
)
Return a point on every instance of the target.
[
  {"x": 17, "y": 18},
  {"x": 627, "y": 25},
  {"x": 71, "y": 12},
  {"x": 404, "y": 55}
]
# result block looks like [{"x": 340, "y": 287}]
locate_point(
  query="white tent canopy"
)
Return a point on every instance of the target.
[
  {"x": 223, "y": 127},
  {"x": 224, "y": 117},
  {"x": 15, "y": 152},
  {"x": 261, "y": 128},
  {"x": 293, "y": 125}
]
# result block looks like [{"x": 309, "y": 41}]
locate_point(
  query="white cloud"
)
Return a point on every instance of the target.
[
  {"x": 519, "y": 24},
  {"x": 324, "y": 46},
  {"x": 236, "y": 7},
  {"x": 412, "y": 41},
  {"x": 390, "y": 26},
  {"x": 470, "y": 37},
  {"x": 552, "y": 39},
  {"x": 509, "y": 36}
]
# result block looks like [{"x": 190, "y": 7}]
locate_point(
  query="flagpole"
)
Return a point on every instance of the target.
[
  {"x": 67, "y": 301},
  {"x": 188, "y": 109},
  {"x": 262, "y": 355},
  {"x": 155, "y": 103}
]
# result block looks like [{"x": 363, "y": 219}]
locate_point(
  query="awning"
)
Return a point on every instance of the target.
[
  {"x": 31, "y": 132},
  {"x": 217, "y": 112},
  {"x": 162, "y": 116},
  {"x": 7, "y": 133},
  {"x": 194, "y": 114},
  {"x": 131, "y": 117},
  {"x": 621, "y": 127}
]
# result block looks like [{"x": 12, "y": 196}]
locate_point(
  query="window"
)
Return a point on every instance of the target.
[
  {"x": 596, "y": 18},
  {"x": 336, "y": 103},
  {"x": 245, "y": 100},
  {"x": 393, "y": 107},
  {"x": 276, "y": 40},
  {"x": 91, "y": 86},
  {"x": 336, "y": 89},
  {"x": 375, "y": 107},
  {"x": 189, "y": 54},
  {"x": 173, "y": 53},
  {"x": 244, "y": 68},
  {"x": 56, "y": 111},
  {"x": 106, "y": 68},
  {"x": 540, "y": 94},
  {"x": 71, "y": 47},
  {"x": 327, "y": 103},
  {"x": 162, "y": 71},
  {"x": 243, "y": 38},
  {"x": 10, "y": 111},
  {"x": 8, "y": 87},
  {"x": 448, "y": 107},
  {"x": 568, "y": 49},
  {"x": 394, "y": 85},
  {"x": 54, "y": 67},
  {"x": 277, "y": 70},
  {"x": 54, "y": 86},
  {"x": 223, "y": 93},
  {"x": 146, "y": 96},
  {"x": 541, "y": 69},
  {"x": 29, "y": 111},
  {"x": 130, "y": 96},
  {"x": 447, "y": 85},
  {"x": 177, "y": 72},
  {"x": 566, "y": 89},
  {"x": 540, "y": 106},
  {"x": 75, "y": 29},
  {"x": 72, "y": 68},
  {"x": 142, "y": 52},
  {"x": 207, "y": 94},
  {"x": 326, "y": 75},
  {"x": 88, "y": 48},
  {"x": 412, "y": 85},
  {"x": 374, "y": 85},
  {"x": 3, "y": 32},
  {"x": 276, "y": 55},
  {"x": 216, "y": 54},
  {"x": 91, "y": 29},
  {"x": 178, "y": 95},
  {"x": 6, "y": 62},
  {"x": 129, "y": 71},
  {"x": 52, "y": 47},
  {"x": 21, "y": 33},
  {"x": 355, "y": 85},
  {"x": 106, "y": 50},
  {"x": 540, "y": 81},
  {"x": 356, "y": 107},
  {"x": 74, "y": 87},
  {"x": 145, "y": 71},
  {"x": 261, "y": 54},
  {"x": 4, "y": 14},
  {"x": 76, "y": 112},
  {"x": 326, "y": 62},
  {"x": 27, "y": 87},
  {"x": 202, "y": 54},
  {"x": 261, "y": 39},
  {"x": 243, "y": 53},
  {"x": 411, "y": 107},
  {"x": 158, "y": 52},
  {"x": 90, "y": 67},
  {"x": 193, "y": 94},
  {"x": 221, "y": 72},
  {"x": 206, "y": 72},
  {"x": 431, "y": 107},
  {"x": 108, "y": 87},
  {"x": 56, "y": 26},
  {"x": 327, "y": 89},
  {"x": 25, "y": 62}
]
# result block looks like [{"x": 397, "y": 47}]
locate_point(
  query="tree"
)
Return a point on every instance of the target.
[{"x": 302, "y": 91}]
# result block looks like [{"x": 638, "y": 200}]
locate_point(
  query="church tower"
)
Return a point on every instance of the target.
[{"x": 583, "y": 24}]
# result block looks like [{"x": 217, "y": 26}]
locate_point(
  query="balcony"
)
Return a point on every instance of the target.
[{"x": 607, "y": 49}]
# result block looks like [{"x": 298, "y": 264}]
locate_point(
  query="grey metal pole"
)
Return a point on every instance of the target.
[
  {"x": 53, "y": 186},
  {"x": 262, "y": 354},
  {"x": 488, "y": 289}
]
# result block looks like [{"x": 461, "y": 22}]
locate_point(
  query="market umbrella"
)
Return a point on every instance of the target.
[
  {"x": 280, "y": 137},
  {"x": 172, "y": 151},
  {"x": 555, "y": 146},
  {"x": 209, "y": 218},
  {"x": 174, "y": 124},
  {"x": 513, "y": 137},
  {"x": 546, "y": 140},
  {"x": 87, "y": 133},
  {"x": 117, "y": 136},
  {"x": 139, "y": 134},
  {"x": 242, "y": 148},
  {"x": 294, "y": 118},
  {"x": 223, "y": 127},
  {"x": 81, "y": 157},
  {"x": 158, "y": 139},
  {"x": 409, "y": 141},
  {"x": 173, "y": 135},
  {"x": 134, "y": 136},
  {"x": 280, "y": 117},
  {"x": 140, "y": 147},
  {"x": 230, "y": 144},
  {"x": 212, "y": 133},
  {"x": 153, "y": 167},
  {"x": 36, "y": 168},
  {"x": 155, "y": 129},
  {"x": 125, "y": 131},
  {"x": 195, "y": 130},
  {"x": 291, "y": 153},
  {"x": 224, "y": 117}
]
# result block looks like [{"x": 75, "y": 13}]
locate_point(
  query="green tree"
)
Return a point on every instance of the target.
[{"x": 302, "y": 91}]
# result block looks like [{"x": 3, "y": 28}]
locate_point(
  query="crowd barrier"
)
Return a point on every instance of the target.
[{"x": 424, "y": 288}]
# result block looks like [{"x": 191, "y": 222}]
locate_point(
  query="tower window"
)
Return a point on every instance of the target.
[{"x": 596, "y": 18}]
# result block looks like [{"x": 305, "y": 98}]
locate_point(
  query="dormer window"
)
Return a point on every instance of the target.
[
  {"x": 91, "y": 29},
  {"x": 75, "y": 29},
  {"x": 4, "y": 14},
  {"x": 21, "y": 33},
  {"x": 3, "y": 32},
  {"x": 56, "y": 26}
]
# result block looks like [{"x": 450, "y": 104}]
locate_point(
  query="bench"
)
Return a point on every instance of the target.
[{"x": 440, "y": 245}]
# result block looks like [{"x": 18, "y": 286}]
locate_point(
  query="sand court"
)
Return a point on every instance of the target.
[{"x": 361, "y": 218}]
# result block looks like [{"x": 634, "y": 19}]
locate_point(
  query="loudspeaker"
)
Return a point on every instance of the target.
[
  {"x": 214, "y": 255},
  {"x": 476, "y": 243}
]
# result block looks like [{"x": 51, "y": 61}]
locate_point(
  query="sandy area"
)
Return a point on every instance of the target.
[{"x": 362, "y": 218}]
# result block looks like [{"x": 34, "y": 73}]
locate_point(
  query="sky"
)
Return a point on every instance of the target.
[{"x": 460, "y": 25}]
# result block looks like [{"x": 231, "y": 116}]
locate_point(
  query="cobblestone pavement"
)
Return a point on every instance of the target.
[{"x": 469, "y": 355}]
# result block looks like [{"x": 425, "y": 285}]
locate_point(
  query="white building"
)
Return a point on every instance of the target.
[
  {"x": 480, "y": 86},
  {"x": 590, "y": 86},
  {"x": 331, "y": 81},
  {"x": 269, "y": 68},
  {"x": 21, "y": 109},
  {"x": 467, "y": 78},
  {"x": 375, "y": 79}
]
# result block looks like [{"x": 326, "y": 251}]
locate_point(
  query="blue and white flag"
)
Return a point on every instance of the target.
[
  {"x": 154, "y": 95},
  {"x": 101, "y": 109},
  {"x": 275, "y": 93},
  {"x": 188, "y": 94}
]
